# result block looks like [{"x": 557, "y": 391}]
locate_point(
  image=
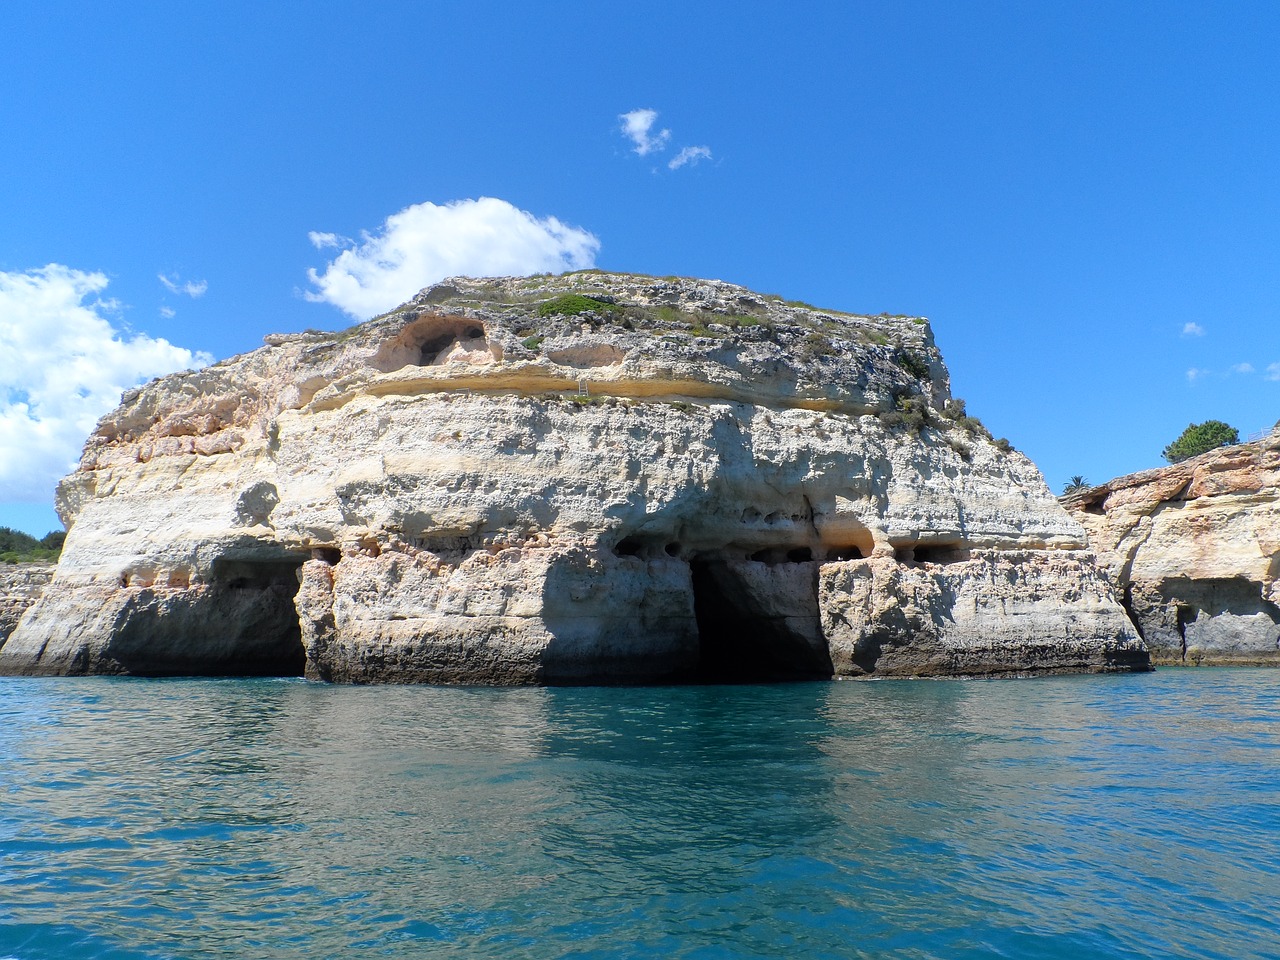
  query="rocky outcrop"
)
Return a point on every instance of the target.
[
  {"x": 593, "y": 477},
  {"x": 1194, "y": 550},
  {"x": 20, "y": 586}
]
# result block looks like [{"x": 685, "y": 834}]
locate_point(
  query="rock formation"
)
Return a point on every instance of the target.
[
  {"x": 1194, "y": 549},
  {"x": 20, "y": 586},
  {"x": 593, "y": 477}
]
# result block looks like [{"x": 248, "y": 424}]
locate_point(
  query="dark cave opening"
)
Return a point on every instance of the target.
[
  {"x": 241, "y": 623},
  {"x": 745, "y": 636},
  {"x": 254, "y": 601}
]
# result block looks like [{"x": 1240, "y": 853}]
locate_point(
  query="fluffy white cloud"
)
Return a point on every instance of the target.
[
  {"x": 1197, "y": 373},
  {"x": 637, "y": 126},
  {"x": 1244, "y": 368},
  {"x": 1192, "y": 330},
  {"x": 425, "y": 243},
  {"x": 1273, "y": 371},
  {"x": 62, "y": 366},
  {"x": 689, "y": 155},
  {"x": 192, "y": 288}
]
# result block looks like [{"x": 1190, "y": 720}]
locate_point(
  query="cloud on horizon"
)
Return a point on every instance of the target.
[
  {"x": 426, "y": 242},
  {"x": 1192, "y": 330},
  {"x": 62, "y": 366},
  {"x": 1273, "y": 371}
]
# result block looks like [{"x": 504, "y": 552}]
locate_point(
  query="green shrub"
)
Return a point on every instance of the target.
[
  {"x": 913, "y": 363},
  {"x": 814, "y": 346},
  {"x": 1199, "y": 438},
  {"x": 973, "y": 426},
  {"x": 909, "y": 413},
  {"x": 575, "y": 304},
  {"x": 1002, "y": 444},
  {"x": 1075, "y": 484},
  {"x": 532, "y": 343}
]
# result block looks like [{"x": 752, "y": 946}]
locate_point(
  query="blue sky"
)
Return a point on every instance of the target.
[{"x": 1083, "y": 198}]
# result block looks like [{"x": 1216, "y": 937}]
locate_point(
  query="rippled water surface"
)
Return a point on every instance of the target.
[{"x": 1122, "y": 816}]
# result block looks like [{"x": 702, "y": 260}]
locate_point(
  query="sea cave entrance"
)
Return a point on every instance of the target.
[
  {"x": 757, "y": 621},
  {"x": 241, "y": 623}
]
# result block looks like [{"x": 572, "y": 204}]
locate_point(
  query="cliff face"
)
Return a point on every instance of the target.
[
  {"x": 503, "y": 481},
  {"x": 20, "y": 587},
  {"x": 1195, "y": 550}
]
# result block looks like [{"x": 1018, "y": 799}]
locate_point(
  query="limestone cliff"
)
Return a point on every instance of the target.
[
  {"x": 569, "y": 479},
  {"x": 1194, "y": 549},
  {"x": 20, "y": 586}
]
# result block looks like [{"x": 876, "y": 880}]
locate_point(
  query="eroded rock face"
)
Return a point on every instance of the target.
[
  {"x": 1194, "y": 550},
  {"x": 20, "y": 586},
  {"x": 497, "y": 483}
]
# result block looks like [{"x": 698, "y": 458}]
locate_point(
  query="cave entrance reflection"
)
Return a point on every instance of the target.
[{"x": 757, "y": 629}]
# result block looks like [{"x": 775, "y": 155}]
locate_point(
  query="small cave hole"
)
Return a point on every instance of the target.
[
  {"x": 329, "y": 555},
  {"x": 937, "y": 553},
  {"x": 628, "y": 547},
  {"x": 800, "y": 555},
  {"x": 847, "y": 553},
  {"x": 673, "y": 549}
]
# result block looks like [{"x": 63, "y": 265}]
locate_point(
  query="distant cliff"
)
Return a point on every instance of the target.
[
  {"x": 1194, "y": 549},
  {"x": 594, "y": 477},
  {"x": 20, "y": 586}
]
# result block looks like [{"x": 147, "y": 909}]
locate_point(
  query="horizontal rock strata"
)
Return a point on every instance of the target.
[
  {"x": 1194, "y": 551},
  {"x": 587, "y": 478}
]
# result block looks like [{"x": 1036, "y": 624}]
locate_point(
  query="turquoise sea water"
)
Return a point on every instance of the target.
[{"x": 1120, "y": 816}]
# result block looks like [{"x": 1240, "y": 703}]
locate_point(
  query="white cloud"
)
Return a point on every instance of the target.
[
  {"x": 689, "y": 155},
  {"x": 1197, "y": 373},
  {"x": 425, "y": 243},
  {"x": 168, "y": 312},
  {"x": 1273, "y": 371},
  {"x": 1192, "y": 330},
  {"x": 193, "y": 289},
  {"x": 1244, "y": 368},
  {"x": 62, "y": 366},
  {"x": 637, "y": 126},
  {"x": 323, "y": 241}
]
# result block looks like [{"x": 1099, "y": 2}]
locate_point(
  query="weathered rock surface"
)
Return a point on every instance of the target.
[
  {"x": 20, "y": 586},
  {"x": 1194, "y": 550},
  {"x": 678, "y": 480}
]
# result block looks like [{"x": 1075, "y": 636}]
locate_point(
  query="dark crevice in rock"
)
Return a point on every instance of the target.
[{"x": 931, "y": 553}]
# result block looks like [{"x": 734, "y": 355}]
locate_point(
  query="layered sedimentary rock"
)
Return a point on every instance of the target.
[
  {"x": 1194, "y": 550},
  {"x": 20, "y": 586},
  {"x": 593, "y": 477}
]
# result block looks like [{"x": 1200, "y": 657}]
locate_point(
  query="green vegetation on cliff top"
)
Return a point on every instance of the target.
[{"x": 1200, "y": 438}]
